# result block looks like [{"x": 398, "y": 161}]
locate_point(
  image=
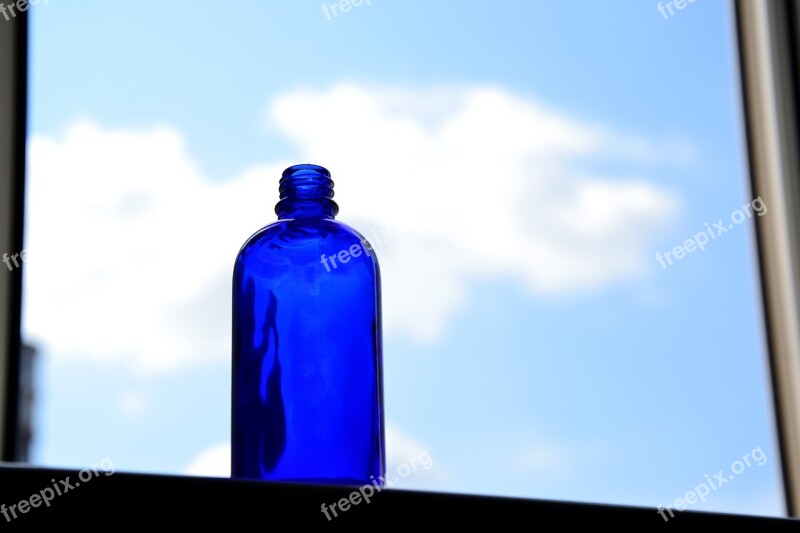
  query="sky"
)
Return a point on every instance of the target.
[{"x": 517, "y": 167}]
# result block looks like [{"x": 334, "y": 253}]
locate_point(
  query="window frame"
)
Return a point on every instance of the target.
[
  {"x": 13, "y": 133},
  {"x": 769, "y": 45}
]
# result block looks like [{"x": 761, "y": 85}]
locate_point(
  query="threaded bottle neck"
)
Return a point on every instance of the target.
[{"x": 306, "y": 191}]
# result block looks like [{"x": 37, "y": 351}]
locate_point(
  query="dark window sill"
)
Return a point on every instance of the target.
[{"x": 140, "y": 501}]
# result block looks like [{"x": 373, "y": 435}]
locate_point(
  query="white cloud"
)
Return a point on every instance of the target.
[
  {"x": 211, "y": 462},
  {"x": 766, "y": 501},
  {"x": 482, "y": 183},
  {"x": 417, "y": 466},
  {"x": 133, "y": 404},
  {"x": 543, "y": 458},
  {"x": 401, "y": 448},
  {"x": 410, "y": 464},
  {"x": 131, "y": 247}
]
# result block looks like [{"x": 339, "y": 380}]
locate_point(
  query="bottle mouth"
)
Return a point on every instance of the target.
[
  {"x": 306, "y": 182},
  {"x": 305, "y": 170},
  {"x": 306, "y": 189}
]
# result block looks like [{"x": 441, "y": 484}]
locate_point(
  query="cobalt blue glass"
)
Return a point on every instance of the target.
[{"x": 307, "y": 401}]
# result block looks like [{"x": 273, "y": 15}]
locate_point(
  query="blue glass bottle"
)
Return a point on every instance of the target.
[{"x": 307, "y": 400}]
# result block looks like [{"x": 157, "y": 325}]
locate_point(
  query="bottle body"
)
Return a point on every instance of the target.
[{"x": 307, "y": 355}]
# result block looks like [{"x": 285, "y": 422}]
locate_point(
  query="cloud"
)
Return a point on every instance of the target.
[
  {"x": 131, "y": 247},
  {"x": 211, "y": 462},
  {"x": 401, "y": 448},
  {"x": 410, "y": 464},
  {"x": 543, "y": 458},
  {"x": 762, "y": 501},
  {"x": 133, "y": 404},
  {"x": 417, "y": 467},
  {"x": 481, "y": 183}
]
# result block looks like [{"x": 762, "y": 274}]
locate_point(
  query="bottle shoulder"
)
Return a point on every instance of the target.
[
  {"x": 304, "y": 228},
  {"x": 299, "y": 233}
]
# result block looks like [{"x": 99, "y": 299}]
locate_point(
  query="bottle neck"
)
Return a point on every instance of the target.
[{"x": 306, "y": 191}]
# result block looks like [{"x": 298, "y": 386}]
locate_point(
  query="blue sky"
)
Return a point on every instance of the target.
[{"x": 530, "y": 157}]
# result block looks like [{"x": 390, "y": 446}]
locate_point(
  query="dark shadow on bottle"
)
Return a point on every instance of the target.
[
  {"x": 265, "y": 414},
  {"x": 273, "y": 413}
]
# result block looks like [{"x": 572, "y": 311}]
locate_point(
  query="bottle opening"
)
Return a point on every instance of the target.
[{"x": 306, "y": 190}]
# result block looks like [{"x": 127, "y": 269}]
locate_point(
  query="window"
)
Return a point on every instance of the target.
[{"x": 557, "y": 192}]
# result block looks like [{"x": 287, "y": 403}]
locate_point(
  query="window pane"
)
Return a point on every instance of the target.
[{"x": 557, "y": 192}]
